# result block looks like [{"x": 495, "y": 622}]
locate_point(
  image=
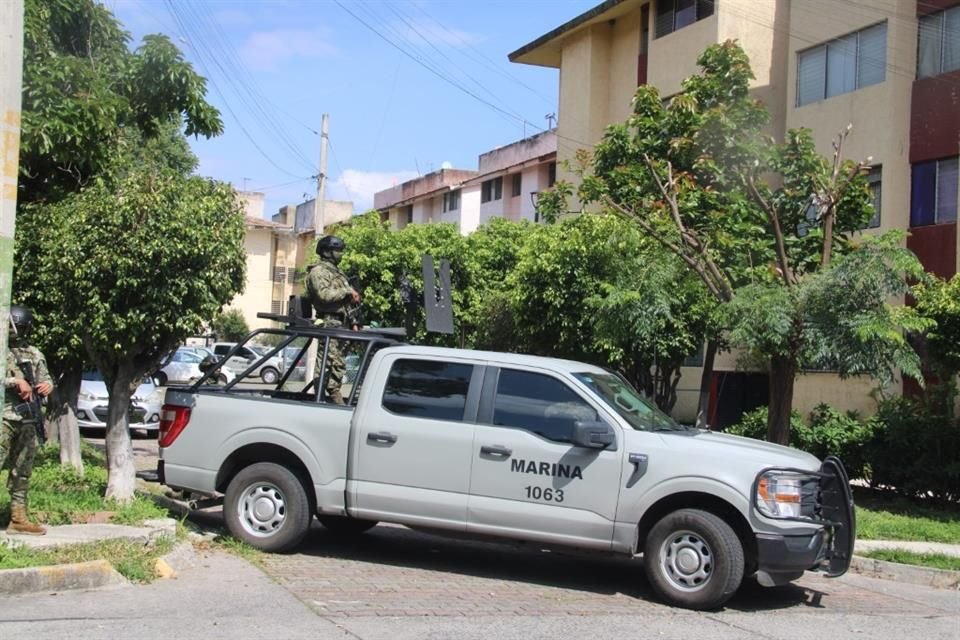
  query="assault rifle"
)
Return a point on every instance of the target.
[
  {"x": 32, "y": 410},
  {"x": 353, "y": 317}
]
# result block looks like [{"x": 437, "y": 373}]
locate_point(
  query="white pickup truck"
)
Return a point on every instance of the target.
[{"x": 516, "y": 447}]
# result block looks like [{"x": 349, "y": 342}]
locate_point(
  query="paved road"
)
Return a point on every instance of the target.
[{"x": 394, "y": 583}]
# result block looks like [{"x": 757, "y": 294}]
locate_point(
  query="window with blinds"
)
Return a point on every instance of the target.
[
  {"x": 938, "y": 49},
  {"x": 842, "y": 65},
  {"x": 933, "y": 192},
  {"x": 279, "y": 274}
]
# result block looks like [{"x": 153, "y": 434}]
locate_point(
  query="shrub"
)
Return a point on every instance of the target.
[
  {"x": 829, "y": 433},
  {"x": 916, "y": 450}
]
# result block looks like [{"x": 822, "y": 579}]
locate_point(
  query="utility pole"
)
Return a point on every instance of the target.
[
  {"x": 319, "y": 222},
  {"x": 11, "y": 77}
]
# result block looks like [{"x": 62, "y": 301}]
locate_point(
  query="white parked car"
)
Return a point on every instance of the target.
[
  {"x": 269, "y": 370},
  {"x": 184, "y": 367},
  {"x": 92, "y": 402}
]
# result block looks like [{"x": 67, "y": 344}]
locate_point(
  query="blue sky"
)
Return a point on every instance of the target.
[{"x": 274, "y": 66}]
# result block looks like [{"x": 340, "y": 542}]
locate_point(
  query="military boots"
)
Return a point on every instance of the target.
[{"x": 19, "y": 523}]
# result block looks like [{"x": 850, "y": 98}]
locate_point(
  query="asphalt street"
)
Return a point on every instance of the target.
[{"x": 394, "y": 583}]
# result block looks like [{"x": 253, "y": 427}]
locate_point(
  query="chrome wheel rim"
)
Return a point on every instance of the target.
[
  {"x": 269, "y": 377},
  {"x": 687, "y": 561},
  {"x": 263, "y": 509}
]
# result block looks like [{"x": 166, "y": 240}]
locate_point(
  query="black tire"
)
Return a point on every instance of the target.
[
  {"x": 346, "y": 526},
  {"x": 269, "y": 375},
  {"x": 711, "y": 555},
  {"x": 267, "y": 507},
  {"x": 161, "y": 378}
]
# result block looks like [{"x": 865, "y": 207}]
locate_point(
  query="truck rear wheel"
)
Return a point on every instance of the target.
[
  {"x": 693, "y": 559},
  {"x": 267, "y": 507},
  {"x": 346, "y": 526}
]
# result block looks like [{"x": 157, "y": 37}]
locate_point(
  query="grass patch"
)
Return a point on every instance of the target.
[
  {"x": 239, "y": 548},
  {"x": 933, "y": 560},
  {"x": 59, "y": 495},
  {"x": 133, "y": 560},
  {"x": 880, "y": 517}
]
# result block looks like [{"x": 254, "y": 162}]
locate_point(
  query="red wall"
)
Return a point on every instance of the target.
[
  {"x": 929, "y": 6},
  {"x": 935, "y": 117},
  {"x": 936, "y": 246}
]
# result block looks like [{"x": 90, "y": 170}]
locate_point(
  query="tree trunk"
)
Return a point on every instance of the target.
[
  {"x": 783, "y": 372},
  {"x": 703, "y": 405},
  {"x": 64, "y": 419},
  {"x": 121, "y": 473}
]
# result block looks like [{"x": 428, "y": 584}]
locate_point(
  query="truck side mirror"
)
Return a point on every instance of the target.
[{"x": 593, "y": 434}]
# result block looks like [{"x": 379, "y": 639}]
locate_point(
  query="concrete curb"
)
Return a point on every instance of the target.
[
  {"x": 84, "y": 575},
  {"x": 94, "y": 574},
  {"x": 908, "y": 573}
]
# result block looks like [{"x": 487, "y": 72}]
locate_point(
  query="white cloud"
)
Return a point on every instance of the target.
[
  {"x": 416, "y": 31},
  {"x": 265, "y": 49},
  {"x": 359, "y": 186}
]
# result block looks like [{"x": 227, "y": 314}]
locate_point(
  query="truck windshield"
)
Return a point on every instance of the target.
[{"x": 640, "y": 413}]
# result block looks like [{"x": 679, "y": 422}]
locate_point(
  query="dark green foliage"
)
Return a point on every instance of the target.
[
  {"x": 83, "y": 88},
  {"x": 917, "y": 450},
  {"x": 230, "y": 326}
]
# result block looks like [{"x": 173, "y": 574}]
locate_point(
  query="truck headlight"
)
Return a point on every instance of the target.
[{"x": 780, "y": 494}]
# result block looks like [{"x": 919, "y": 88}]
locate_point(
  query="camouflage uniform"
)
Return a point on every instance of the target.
[
  {"x": 18, "y": 437},
  {"x": 329, "y": 292}
]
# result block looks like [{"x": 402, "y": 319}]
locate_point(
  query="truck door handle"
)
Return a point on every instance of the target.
[
  {"x": 496, "y": 450},
  {"x": 381, "y": 436}
]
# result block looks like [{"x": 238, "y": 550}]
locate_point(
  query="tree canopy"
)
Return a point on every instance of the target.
[
  {"x": 83, "y": 87},
  {"x": 769, "y": 227}
]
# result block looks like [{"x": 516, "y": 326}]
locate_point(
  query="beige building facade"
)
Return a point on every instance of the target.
[{"x": 819, "y": 64}]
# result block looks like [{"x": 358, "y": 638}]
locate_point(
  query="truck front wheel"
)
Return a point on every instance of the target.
[
  {"x": 267, "y": 507},
  {"x": 693, "y": 559}
]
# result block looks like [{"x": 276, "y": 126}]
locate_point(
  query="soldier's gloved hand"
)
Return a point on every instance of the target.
[
  {"x": 23, "y": 389},
  {"x": 44, "y": 389},
  {"x": 354, "y": 296}
]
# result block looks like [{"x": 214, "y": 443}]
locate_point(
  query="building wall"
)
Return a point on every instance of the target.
[
  {"x": 258, "y": 290},
  {"x": 470, "y": 216},
  {"x": 879, "y": 114}
]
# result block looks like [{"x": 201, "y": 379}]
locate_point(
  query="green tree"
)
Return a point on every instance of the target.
[
  {"x": 93, "y": 109},
  {"x": 83, "y": 87},
  {"x": 380, "y": 258},
  {"x": 939, "y": 301},
  {"x": 593, "y": 288},
  {"x": 230, "y": 326},
  {"x": 761, "y": 224},
  {"x": 148, "y": 258}
]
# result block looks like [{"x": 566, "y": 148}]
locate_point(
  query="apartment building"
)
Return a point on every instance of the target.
[
  {"x": 891, "y": 68},
  {"x": 504, "y": 185}
]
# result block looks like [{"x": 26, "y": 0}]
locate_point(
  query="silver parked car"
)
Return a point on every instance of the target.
[
  {"x": 183, "y": 366},
  {"x": 92, "y": 402},
  {"x": 268, "y": 370}
]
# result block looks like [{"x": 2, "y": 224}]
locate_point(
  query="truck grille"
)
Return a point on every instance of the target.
[
  {"x": 811, "y": 503},
  {"x": 134, "y": 415}
]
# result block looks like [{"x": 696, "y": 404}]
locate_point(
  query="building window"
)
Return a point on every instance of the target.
[
  {"x": 938, "y": 50},
  {"x": 451, "y": 202},
  {"x": 279, "y": 274},
  {"x": 408, "y": 213},
  {"x": 933, "y": 192},
  {"x": 491, "y": 189},
  {"x": 551, "y": 174},
  {"x": 517, "y": 185},
  {"x": 427, "y": 389},
  {"x": 677, "y": 14},
  {"x": 276, "y": 306},
  {"x": 874, "y": 179},
  {"x": 843, "y": 65}
]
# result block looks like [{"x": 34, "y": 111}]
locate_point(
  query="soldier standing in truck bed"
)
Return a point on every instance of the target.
[{"x": 331, "y": 295}]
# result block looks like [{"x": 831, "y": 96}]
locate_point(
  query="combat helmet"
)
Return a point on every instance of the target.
[
  {"x": 331, "y": 248},
  {"x": 22, "y": 318}
]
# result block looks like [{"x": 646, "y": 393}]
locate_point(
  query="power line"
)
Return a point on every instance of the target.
[
  {"x": 180, "y": 23},
  {"x": 428, "y": 67},
  {"x": 284, "y": 184}
]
